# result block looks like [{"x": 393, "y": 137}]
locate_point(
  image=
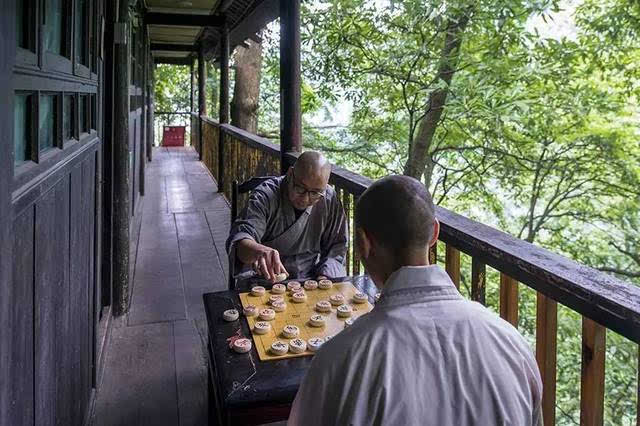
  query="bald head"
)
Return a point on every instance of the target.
[
  {"x": 313, "y": 165},
  {"x": 398, "y": 212}
]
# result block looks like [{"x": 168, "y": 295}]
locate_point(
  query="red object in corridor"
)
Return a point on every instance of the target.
[{"x": 173, "y": 135}]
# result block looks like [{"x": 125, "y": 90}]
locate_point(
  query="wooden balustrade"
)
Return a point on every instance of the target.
[{"x": 604, "y": 301}]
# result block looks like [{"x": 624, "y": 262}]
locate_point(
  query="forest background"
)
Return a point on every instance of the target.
[{"x": 520, "y": 114}]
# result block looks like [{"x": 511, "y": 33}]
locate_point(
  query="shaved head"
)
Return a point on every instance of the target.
[
  {"x": 398, "y": 212},
  {"x": 312, "y": 165}
]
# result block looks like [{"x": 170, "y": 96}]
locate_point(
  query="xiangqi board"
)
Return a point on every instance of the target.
[{"x": 299, "y": 314}]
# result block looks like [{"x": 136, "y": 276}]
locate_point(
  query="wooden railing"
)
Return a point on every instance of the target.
[{"x": 603, "y": 301}]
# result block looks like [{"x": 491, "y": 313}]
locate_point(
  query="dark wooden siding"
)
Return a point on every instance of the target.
[{"x": 54, "y": 300}]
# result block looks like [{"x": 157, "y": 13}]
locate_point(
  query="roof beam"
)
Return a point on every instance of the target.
[
  {"x": 182, "y": 20},
  {"x": 168, "y": 47},
  {"x": 172, "y": 61}
]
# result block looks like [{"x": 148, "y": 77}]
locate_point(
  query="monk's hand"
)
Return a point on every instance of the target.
[{"x": 265, "y": 260}]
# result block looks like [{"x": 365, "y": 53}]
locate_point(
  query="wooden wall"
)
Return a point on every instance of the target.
[
  {"x": 7, "y": 50},
  {"x": 53, "y": 306},
  {"x": 51, "y": 228}
]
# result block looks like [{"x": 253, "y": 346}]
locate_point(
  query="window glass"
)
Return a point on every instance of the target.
[
  {"x": 47, "y": 126},
  {"x": 21, "y": 133},
  {"x": 20, "y": 25},
  {"x": 68, "y": 117},
  {"x": 53, "y": 30},
  {"x": 81, "y": 31},
  {"x": 84, "y": 109}
]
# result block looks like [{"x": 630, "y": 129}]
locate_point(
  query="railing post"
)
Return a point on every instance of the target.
[
  {"x": 224, "y": 99},
  {"x": 592, "y": 379},
  {"x": 509, "y": 299},
  {"x": 546, "y": 337},
  {"x": 290, "y": 113},
  {"x": 452, "y": 264},
  {"x": 478, "y": 281},
  {"x": 346, "y": 204},
  {"x": 202, "y": 96},
  {"x": 433, "y": 254}
]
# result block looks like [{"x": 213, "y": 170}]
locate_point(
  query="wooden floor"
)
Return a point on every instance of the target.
[{"x": 155, "y": 368}]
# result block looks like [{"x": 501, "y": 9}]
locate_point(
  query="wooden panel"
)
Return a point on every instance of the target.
[
  {"x": 77, "y": 292},
  {"x": 592, "y": 379},
  {"x": 478, "y": 281},
  {"x": 546, "y": 335},
  {"x": 452, "y": 264},
  {"x": 509, "y": 299},
  {"x": 12, "y": 341},
  {"x": 20, "y": 393},
  {"x": 62, "y": 366},
  {"x": 47, "y": 288}
]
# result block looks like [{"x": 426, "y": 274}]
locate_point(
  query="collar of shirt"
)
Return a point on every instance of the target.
[{"x": 414, "y": 281}]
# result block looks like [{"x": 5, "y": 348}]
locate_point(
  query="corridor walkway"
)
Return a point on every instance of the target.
[{"x": 155, "y": 369}]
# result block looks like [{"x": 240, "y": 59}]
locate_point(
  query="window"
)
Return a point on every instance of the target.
[
  {"x": 82, "y": 36},
  {"x": 69, "y": 118},
  {"x": 84, "y": 112},
  {"x": 48, "y": 126},
  {"x": 26, "y": 24},
  {"x": 93, "y": 123},
  {"x": 22, "y": 133},
  {"x": 54, "y": 28}
]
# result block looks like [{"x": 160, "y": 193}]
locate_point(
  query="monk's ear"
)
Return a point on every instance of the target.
[
  {"x": 363, "y": 243},
  {"x": 436, "y": 233}
]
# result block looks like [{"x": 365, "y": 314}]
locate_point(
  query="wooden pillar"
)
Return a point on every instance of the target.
[
  {"x": 202, "y": 95},
  {"x": 143, "y": 113},
  {"x": 193, "y": 86},
  {"x": 224, "y": 99},
  {"x": 7, "y": 287},
  {"x": 150, "y": 96},
  {"x": 290, "y": 113},
  {"x": 122, "y": 200}
]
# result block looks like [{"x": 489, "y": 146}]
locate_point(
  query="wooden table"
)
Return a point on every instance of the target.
[{"x": 242, "y": 389}]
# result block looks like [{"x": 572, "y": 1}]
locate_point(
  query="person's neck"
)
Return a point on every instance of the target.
[{"x": 417, "y": 258}]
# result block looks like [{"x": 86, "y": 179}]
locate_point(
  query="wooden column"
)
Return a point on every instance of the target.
[
  {"x": 290, "y": 113},
  {"x": 202, "y": 95},
  {"x": 150, "y": 95},
  {"x": 121, "y": 189},
  {"x": 143, "y": 108},
  {"x": 224, "y": 100},
  {"x": 7, "y": 287},
  {"x": 192, "y": 94}
]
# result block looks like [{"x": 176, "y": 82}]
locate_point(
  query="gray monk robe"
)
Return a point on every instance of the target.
[{"x": 310, "y": 243}]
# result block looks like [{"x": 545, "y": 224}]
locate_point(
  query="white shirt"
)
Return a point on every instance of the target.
[{"x": 424, "y": 355}]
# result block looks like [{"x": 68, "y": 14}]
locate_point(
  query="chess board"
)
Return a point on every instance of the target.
[{"x": 298, "y": 314}]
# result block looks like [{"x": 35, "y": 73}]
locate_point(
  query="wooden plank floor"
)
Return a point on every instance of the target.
[{"x": 155, "y": 371}]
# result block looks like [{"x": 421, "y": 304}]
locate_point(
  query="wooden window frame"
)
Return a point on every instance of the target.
[
  {"x": 32, "y": 130},
  {"x": 74, "y": 123},
  {"x": 59, "y": 62},
  {"x": 57, "y": 125},
  {"x": 80, "y": 69},
  {"x": 29, "y": 56}
]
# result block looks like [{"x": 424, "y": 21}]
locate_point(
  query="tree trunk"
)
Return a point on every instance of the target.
[
  {"x": 246, "y": 91},
  {"x": 419, "y": 151}
]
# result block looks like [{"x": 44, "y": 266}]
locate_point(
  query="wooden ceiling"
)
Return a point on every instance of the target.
[{"x": 245, "y": 18}]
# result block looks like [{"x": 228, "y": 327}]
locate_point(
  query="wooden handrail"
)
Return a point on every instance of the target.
[{"x": 594, "y": 294}]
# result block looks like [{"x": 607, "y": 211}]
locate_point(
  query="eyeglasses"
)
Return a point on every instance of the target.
[{"x": 301, "y": 190}]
